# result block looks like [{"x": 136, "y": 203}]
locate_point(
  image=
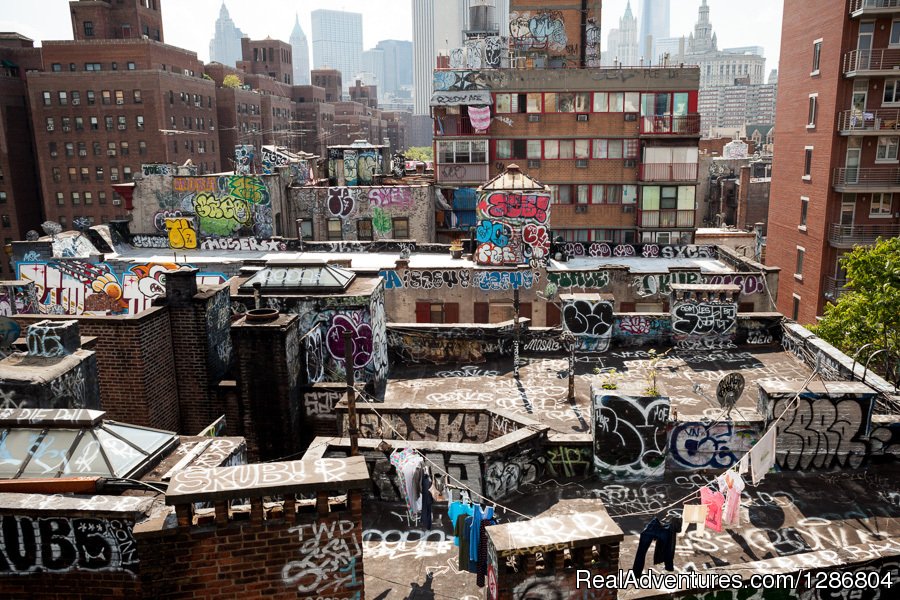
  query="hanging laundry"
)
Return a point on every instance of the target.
[
  {"x": 665, "y": 536},
  {"x": 427, "y": 500},
  {"x": 465, "y": 536},
  {"x": 743, "y": 466},
  {"x": 480, "y": 117},
  {"x": 694, "y": 513},
  {"x": 732, "y": 484},
  {"x": 713, "y": 501},
  {"x": 458, "y": 511},
  {"x": 478, "y": 515},
  {"x": 409, "y": 468},
  {"x": 762, "y": 456},
  {"x": 482, "y": 552}
]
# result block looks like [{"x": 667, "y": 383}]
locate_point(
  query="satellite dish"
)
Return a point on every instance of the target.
[
  {"x": 729, "y": 391},
  {"x": 51, "y": 227}
]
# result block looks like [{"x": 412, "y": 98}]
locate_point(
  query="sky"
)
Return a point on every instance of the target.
[{"x": 190, "y": 23}]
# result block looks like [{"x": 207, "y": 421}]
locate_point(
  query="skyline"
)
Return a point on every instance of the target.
[{"x": 192, "y": 25}]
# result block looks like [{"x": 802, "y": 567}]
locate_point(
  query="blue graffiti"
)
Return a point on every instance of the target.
[
  {"x": 391, "y": 280},
  {"x": 493, "y": 233}
]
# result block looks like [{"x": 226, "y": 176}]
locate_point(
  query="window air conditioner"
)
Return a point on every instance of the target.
[
  {"x": 581, "y": 163},
  {"x": 630, "y": 163},
  {"x": 582, "y": 117},
  {"x": 581, "y": 208},
  {"x": 631, "y": 116},
  {"x": 534, "y": 163},
  {"x": 75, "y": 101},
  {"x": 116, "y": 202},
  {"x": 627, "y": 208},
  {"x": 534, "y": 118}
]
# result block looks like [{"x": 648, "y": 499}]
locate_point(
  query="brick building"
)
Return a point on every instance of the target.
[
  {"x": 128, "y": 19},
  {"x": 835, "y": 178},
  {"x": 20, "y": 201}
]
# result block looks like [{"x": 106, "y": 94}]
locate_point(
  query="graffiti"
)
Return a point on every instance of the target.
[
  {"x": 151, "y": 278},
  {"x": 592, "y": 43},
  {"x": 396, "y": 544},
  {"x": 635, "y": 325},
  {"x": 59, "y": 545},
  {"x": 221, "y": 216},
  {"x": 569, "y": 461},
  {"x": 9, "y": 333},
  {"x": 504, "y": 475},
  {"x": 328, "y": 556},
  {"x": 516, "y": 206},
  {"x": 505, "y": 280},
  {"x": 350, "y": 168},
  {"x": 271, "y": 157},
  {"x": 474, "y": 53},
  {"x": 458, "y": 81},
  {"x": 704, "y": 318},
  {"x": 391, "y": 197},
  {"x": 545, "y": 30},
  {"x": 493, "y": 51},
  {"x": 457, "y": 58},
  {"x": 541, "y": 345},
  {"x": 366, "y": 167},
  {"x": 647, "y": 286},
  {"x": 581, "y": 279},
  {"x": 463, "y": 278},
  {"x": 493, "y": 233},
  {"x": 150, "y": 241},
  {"x": 629, "y": 435},
  {"x": 537, "y": 242},
  {"x": 193, "y": 482},
  {"x": 157, "y": 169},
  {"x": 181, "y": 233},
  {"x": 381, "y": 221},
  {"x": 321, "y": 403},
  {"x": 459, "y": 428},
  {"x": 759, "y": 334},
  {"x": 549, "y": 588},
  {"x": 709, "y": 446},
  {"x": 590, "y": 322},
  {"x": 196, "y": 185},
  {"x": 749, "y": 284},
  {"x": 379, "y": 336},
  {"x": 605, "y": 250},
  {"x": 44, "y": 341},
  {"x": 822, "y": 433},
  {"x": 218, "y": 331},
  {"x": 243, "y": 159},
  {"x": 341, "y": 202},
  {"x": 315, "y": 359},
  {"x": 360, "y": 337},
  {"x": 250, "y": 244}
]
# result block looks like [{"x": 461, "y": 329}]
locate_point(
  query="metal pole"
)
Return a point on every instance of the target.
[
  {"x": 351, "y": 395},
  {"x": 571, "y": 368},
  {"x": 516, "y": 341}
]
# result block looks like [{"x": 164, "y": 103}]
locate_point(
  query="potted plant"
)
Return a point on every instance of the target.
[{"x": 456, "y": 249}]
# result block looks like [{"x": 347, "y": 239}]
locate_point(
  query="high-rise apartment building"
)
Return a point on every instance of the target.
[
  {"x": 337, "y": 41},
  {"x": 620, "y": 155},
  {"x": 622, "y": 42},
  {"x": 424, "y": 55},
  {"x": 654, "y": 27},
  {"x": 300, "y": 48},
  {"x": 119, "y": 20},
  {"x": 225, "y": 47},
  {"x": 836, "y": 180}
]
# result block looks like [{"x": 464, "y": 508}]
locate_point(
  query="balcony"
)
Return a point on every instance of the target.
[
  {"x": 688, "y": 125},
  {"x": 864, "y": 63},
  {"x": 862, "y": 8},
  {"x": 461, "y": 173},
  {"x": 834, "y": 288},
  {"x": 875, "y": 122},
  {"x": 666, "y": 219},
  {"x": 668, "y": 172},
  {"x": 454, "y": 125},
  {"x": 874, "y": 179},
  {"x": 848, "y": 236}
]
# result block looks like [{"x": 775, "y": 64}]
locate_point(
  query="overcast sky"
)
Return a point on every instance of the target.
[{"x": 190, "y": 23}]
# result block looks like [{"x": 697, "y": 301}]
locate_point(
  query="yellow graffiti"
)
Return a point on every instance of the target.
[
  {"x": 250, "y": 189},
  {"x": 228, "y": 208},
  {"x": 181, "y": 233}
]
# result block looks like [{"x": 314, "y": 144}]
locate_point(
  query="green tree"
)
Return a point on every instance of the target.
[
  {"x": 869, "y": 313},
  {"x": 423, "y": 153},
  {"x": 232, "y": 81}
]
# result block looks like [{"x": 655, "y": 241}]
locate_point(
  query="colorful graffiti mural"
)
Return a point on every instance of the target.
[
  {"x": 75, "y": 287},
  {"x": 227, "y": 205},
  {"x": 512, "y": 228}
]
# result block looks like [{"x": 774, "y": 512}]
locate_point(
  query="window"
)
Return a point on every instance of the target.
[
  {"x": 98, "y": 173},
  {"x": 110, "y": 148},
  {"x": 122, "y": 120},
  {"x": 88, "y": 198},
  {"x": 98, "y": 148},
  {"x": 108, "y": 121},
  {"x": 73, "y": 174},
  {"x": 534, "y": 103},
  {"x": 53, "y": 151},
  {"x": 51, "y": 125},
  {"x": 126, "y": 173},
  {"x": 123, "y": 148},
  {"x": 462, "y": 152},
  {"x": 807, "y": 163},
  {"x": 5, "y": 220},
  {"x": 95, "y": 124},
  {"x": 882, "y": 204},
  {"x": 817, "y": 56},
  {"x": 120, "y": 97},
  {"x": 136, "y": 96},
  {"x": 795, "y": 312},
  {"x": 56, "y": 67},
  {"x": 70, "y": 149},
  {"x": 76, "y": 98},
  {"x": 79, "y": 124},
  {"x": 60, "y": 199},
  {"x": 892, "y": 91},
  {"x": 801, "y": 253},
  {"x": 334, "y": 230},
  {"x": 57, "y": 176},
  {"x": 101, "y": 197},
  {"x": 66, "y": 123},
  {"x": 130, "y": 66},
  {"x": 63, "y": 98},
  {"x": 85, "y": 174},
  {"x": 887, "y": 149},
  {"x": 91, "y": 97},
  {"x": 364, "y": 229},
  {"x": 106, "y": 97},
  {"x": 813, "y": 107},
  {"x": 142, "y": 148},
  {"x": 115, "y": 66},
  {"x": 895, "y": 33},
  {"x": 400, "y": 227},
  {"x": 804, "y": 208},
  {"x": 46, "y": 96},
  {"x": 89, "y": 29},
  {"x": 91, "y": 66},
  {"x": 114, "y": 173},
  {"x": 76, "y": 198}
]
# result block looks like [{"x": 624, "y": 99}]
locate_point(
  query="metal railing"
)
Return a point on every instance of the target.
[
  {"x": 666, "y": 218},
  {"x": 668, "y": 172},
  {"x": 882, "y": 59},
  {"x": 860, "y": 235},
  {"x": 862, "y": 5},
  {"x": 834, "y": 288},
  {"x": 872, "y": 120},
  {"x": 671, "y": 124},
  {"x": 873, "y": 177}
]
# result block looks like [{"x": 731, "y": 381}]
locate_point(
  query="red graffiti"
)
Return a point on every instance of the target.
[
  {"x": 536, "y": 237},
  {"x": 518, "y": 206}
]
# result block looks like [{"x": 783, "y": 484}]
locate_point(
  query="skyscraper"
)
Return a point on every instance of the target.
[
  {"x": 225, "y": 47},
  {"x": 300, "y": 51},
  {"x": 397, "y": 65},
  {"x": 338, "y": 42},
  {"x": 423, "y": 54},
  {"x": 373, "y": 61},
  {"x": 622, "y": 43},
  {"x": 654, "y": 27}
]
